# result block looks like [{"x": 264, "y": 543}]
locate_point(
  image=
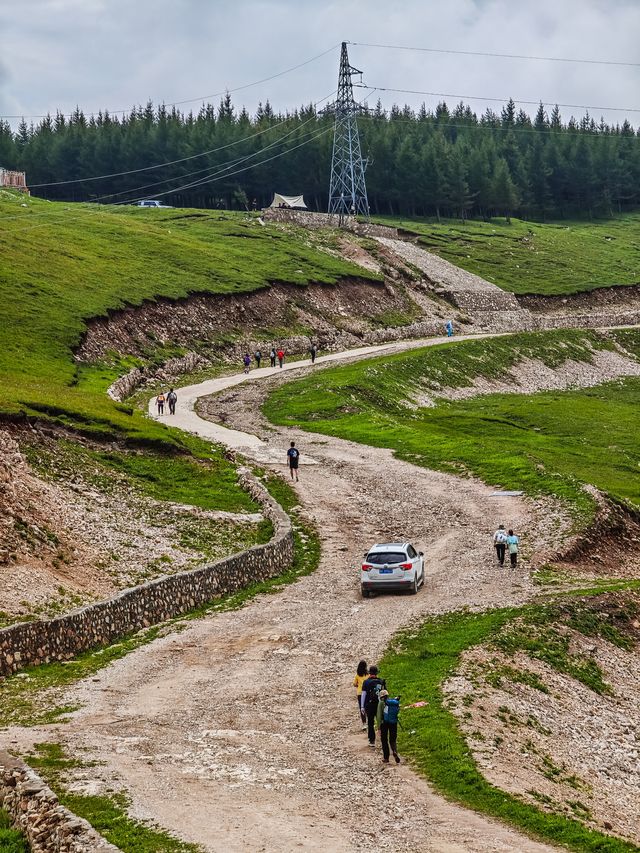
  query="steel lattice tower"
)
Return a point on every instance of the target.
[{"x": 347, "y": 188}]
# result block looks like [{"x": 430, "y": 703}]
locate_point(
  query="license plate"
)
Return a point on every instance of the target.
[{"x": 385, "y": 571}]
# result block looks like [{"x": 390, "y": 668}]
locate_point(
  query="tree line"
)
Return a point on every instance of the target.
[{"x": 438, "y": 162}]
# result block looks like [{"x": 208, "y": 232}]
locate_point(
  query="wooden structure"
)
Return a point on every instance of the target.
[{"x": 13, "y": 180}]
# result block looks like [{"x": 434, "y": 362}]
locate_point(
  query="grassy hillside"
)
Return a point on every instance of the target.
[
  {"x": 547, "y": 443},
  {"x": 528, "y": 257},
  {"x": 62, "y": 264}
]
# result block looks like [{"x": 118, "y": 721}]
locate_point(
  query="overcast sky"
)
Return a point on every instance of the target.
[{"x": 115, "y": 53}]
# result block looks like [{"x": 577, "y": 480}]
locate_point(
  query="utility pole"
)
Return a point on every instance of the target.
[{"x": 347, "y": 188}]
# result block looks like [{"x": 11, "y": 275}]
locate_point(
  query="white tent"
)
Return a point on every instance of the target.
[{"x": 288, "y": 201}]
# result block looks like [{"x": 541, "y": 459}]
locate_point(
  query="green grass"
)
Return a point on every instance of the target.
[
  {"x": 548, "y": 443},
  {"x": 416, "y": 665},
  {"x": 62, "y": 264},
  {"x": 108, "y": 814},
  {"x": 11, "y": 840},
  {"x": 531, "y": 258}
]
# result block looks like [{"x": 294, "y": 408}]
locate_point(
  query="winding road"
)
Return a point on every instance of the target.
[{"x": 241, "y": 732}]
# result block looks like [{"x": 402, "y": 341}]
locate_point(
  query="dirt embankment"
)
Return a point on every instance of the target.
[
  {"x": 334, "y": 316},
  {"x": 614, "y": 299},
  {"x": 73, "y": 530},
  {"x": 565, "y": 741}
]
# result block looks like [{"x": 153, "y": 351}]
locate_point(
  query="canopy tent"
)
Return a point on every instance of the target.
[{"x": 296, "y": 201}]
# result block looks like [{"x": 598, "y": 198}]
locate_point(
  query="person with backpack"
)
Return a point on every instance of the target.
[
  {"x": 280, "y": 357},
  {"x": 513, "y": 544},
  {"x": 358, "y": 681},
  {"x": 172, "y": 399},
  {"x": 160, "y": 403},
  {"x": 371, "y": 687},
  {"x": 293, "y": 457},
  {"x": 387, "y": 719},
  {"x": 272, "y": 356},
  {"x": 500, "y": 543},
  {"x": 247, "y": 362},
  {"x": 258, "y": 357},
  {"x": 313, "y": 350}
]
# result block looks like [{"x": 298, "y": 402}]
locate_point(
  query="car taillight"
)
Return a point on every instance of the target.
[
  {"x": 366, "y": 567},
  {"x": 406, "y": 566}
]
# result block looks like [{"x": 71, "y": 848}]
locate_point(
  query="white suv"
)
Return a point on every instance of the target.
[
  {"x": 148, "y": 202},
  {"x": 392, "y": 566}
]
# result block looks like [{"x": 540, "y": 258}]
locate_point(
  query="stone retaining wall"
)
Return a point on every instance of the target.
[
  {"x": 62, "y": 638},
  {"x": 35, "y": 810}
]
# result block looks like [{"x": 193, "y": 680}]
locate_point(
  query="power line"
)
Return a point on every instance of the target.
[
  {"x": 174, "y": 162},
  {"x": 199, "y": 182},
  {"x": 500, "y": 55},
  {"x": 217, "y": 169},
  {"x": 203, "y": 98},
  {"x": 501, "y": 100}
]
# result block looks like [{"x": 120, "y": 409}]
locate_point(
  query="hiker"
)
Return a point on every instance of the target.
[
  {"x": 512, "y": 544},
  {"x": 500, "y": 543},
  {"x": 313, "y": 350},
  {"x": 160, "y": 403},
  {"x": 293, "y": 457},
  {"x": 280, "y": 357},
  {"x": 247, "y": 362},
  {"x": 449, "y": 328},
  {"x": 387, "y": 719},
  {"x": 369, "y": 701},
  {"x": 272, "y": 356},
  {"x": 358, "y": 681},
  {"x": 172, "y": 399},
  {"x": 258, "y": 357}
]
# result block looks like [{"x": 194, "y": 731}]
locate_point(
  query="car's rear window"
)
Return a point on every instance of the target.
[{"x": 379, "y": 558}]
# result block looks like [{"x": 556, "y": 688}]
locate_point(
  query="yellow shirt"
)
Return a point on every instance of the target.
[{"x": 358, "y": 681}]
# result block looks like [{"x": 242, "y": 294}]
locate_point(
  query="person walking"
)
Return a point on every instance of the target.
[
  {"x": 513, "y": 543},
  {"x": 358, "y": 681},
  {"x": 258, "y": 357},
  {"x": 172, "y": 399},
  {"x": 247, "y": 362},
  {"x": 160, "y": 403},
  {"x": 313, "y": 350},
  {"x": 272, "y": 356},
  {"x": 280, "y": 357},
  {"x": 500, "y": 543},
  {"x": 449, "y": 328},
  {"x": 387, "y": 719},
  {"x": 371, "y": 686},
  {"x": 293, "y": 457}
]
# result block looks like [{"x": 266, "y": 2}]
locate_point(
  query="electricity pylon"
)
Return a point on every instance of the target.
[{"x": 347, "y": 188}]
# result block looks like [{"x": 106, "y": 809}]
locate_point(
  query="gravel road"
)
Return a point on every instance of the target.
[{"x": 241, "y": 732}]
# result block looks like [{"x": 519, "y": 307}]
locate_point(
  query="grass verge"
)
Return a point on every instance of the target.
[
  {"x": 417, "y": 664},
  {"x": 107, "y": 813},
  {"x": 11, "y": 840}
]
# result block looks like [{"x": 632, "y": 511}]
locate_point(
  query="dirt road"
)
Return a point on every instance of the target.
[{"x": 241, "y": 733}]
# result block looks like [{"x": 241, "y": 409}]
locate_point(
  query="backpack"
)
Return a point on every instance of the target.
[
  {"x": 391, "y": 710},
  {"x": 373, "y": 687}
]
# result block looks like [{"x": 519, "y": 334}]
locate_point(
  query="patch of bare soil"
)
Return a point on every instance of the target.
[
  {"x": 80, "y": 532},
  {"x": 531, "y": 375},
  {"x": 549, "y": 738}
]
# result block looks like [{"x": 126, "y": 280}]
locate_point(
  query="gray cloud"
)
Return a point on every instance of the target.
[{"x": 114, "y": 53}]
